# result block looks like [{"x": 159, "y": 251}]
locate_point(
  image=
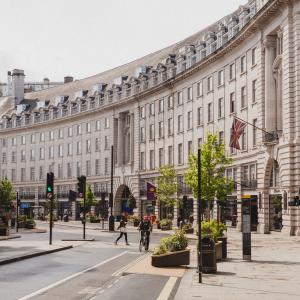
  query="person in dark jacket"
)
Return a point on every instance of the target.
[{"x": 123, "y": 230}]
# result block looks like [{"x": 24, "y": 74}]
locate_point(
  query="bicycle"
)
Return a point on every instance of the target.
[{"x": 143, "y": 242}]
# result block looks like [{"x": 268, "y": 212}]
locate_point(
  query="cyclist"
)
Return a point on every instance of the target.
[{"x": 145, "y": 227}]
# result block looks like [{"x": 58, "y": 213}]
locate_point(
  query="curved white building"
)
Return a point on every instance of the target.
[{"x": 157, "y": 109}]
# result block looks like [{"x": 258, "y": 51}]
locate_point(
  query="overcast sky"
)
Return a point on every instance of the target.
[{"x": 81, "y": 38}]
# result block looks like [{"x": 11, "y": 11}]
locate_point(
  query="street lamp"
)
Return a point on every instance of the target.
[{"x": 111, "y": 200}]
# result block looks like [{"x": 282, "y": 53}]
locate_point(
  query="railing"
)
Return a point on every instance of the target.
[
  {"x": 249, "y": 184},
  {"x": 270, "y": 137},
  {"x": 27, "y": 196}
]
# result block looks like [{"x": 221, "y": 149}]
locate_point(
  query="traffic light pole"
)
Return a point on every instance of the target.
[
  {"x": 51, "y": 221},
  {"x": 111, "y": 221},
  {"x": 17, "y": 223},
  {"x": 199, "y": 256},
  {"x": 84, "y": 210}
]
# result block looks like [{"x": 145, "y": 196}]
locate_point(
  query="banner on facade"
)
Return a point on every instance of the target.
[{"x": 151, "y": 190}]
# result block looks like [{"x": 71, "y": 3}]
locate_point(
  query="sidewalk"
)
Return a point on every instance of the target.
[{"x": 272, "y": 274}]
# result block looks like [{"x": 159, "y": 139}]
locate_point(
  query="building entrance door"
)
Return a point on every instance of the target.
[{"x": 275, "y": 212}]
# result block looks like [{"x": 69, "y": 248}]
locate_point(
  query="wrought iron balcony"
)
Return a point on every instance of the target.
[
  {"x": 249, "y": 184},
  {"x": 270, "y": 137}
]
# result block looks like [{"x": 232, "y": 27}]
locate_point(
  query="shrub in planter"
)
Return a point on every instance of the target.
[
  {"x": 30, "y": 224},
  {"x": 94, "y": 219},
  {"x": 172, "y": 251},
  {"x": 187, "y": 228},
  {"x": 165, "y": 224}
]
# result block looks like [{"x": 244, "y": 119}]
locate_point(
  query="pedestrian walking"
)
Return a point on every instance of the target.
[{"x": 123, "y": 230}]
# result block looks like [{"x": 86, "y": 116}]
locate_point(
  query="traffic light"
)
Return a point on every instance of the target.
[
  {"x": 81, "y": 186},
  {"x": 49, "y": 187}
]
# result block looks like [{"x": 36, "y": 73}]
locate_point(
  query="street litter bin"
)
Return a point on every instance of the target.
[
  {"x": 209, "y": 263},
  {"x": 66, "y": 218}
]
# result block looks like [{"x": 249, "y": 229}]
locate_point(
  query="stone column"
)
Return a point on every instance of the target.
[
  {"x": 279, "y": 99},
  {"x": 289, "y": 217},
  {"x": 270, "y": 87},
  {"x": 263, "y": 213},
  {"x": 120, "y": 157}
]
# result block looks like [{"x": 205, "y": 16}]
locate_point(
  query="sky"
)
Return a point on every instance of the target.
[{"x": 81, "y": 38}]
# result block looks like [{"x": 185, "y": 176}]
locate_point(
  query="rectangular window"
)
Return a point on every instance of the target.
[
  {"x": 243, "y": 64},
  {"x": 51, "y": 152},
  {"x": 221, "y": 77},
  {"x": 32, "y": 174},
  {"x": 180, "y": 123},
  {"x": 88, "y": 146},
  {"x": 51, "y": 135},
  {"x": 42, "y": 137},
  {"x": 209, "y": 84},
  {"x": 59, "y": 171},
  {"x": 190, "y": 147},
  {"x": 244, "y": 141},
  {"x": 60, "y": 150},
  {"x": 221, "y": 108},
  {"x": 60, "y": 134},
  {"x": 199, "y": 142},
  {"x": 161, "y": 157},
  {"x": 106, "y": 142},
  {"x": 232, "y": 103},
  {"x": 32, "y": 154},
  {"x": 97, "y": 144},
  {"x": 78, "y": 168},
  {"x": 106, "y": 123},
  {"x": 231, "y": 72},
  {"x": 243, "y": 97},
  {"x": 32, "y": 138},
  {"x": 180, "y": 154},
  {"x": 253, "y": 91},
  {"x": 23, "y": 140},
  {"x": 152, "y": 165},
  {"x": 97, "y": 167},
  {"x": 170, "y": 155},
  {"x": 97, "y": 125},
  {"x": 106, "y": 165},
  {"x": 161, "y": 129},
  {"x": 199, "y": 116},
  {"x": 170, "y": 126},
  {"x": 78, "y": 148},
  {"x": 253, "y": 56},
  {"x": 170, "y": 102},
  {"x": 161, "y": 105},
  {"x": 221, "y": 137},
  {"x": 179, "y": 98},
  {"x": 4, "y": 142},
  {"x": 199, "y": 89},
  {"x": 13, "y": 156},
  {"x": 69, "y": 170},
  {"x": 254, "y": 128},
  {"x": 142, "y": 132},
  {"x": 78, "y": 129},
  {"x": 42, "y": 153},
  {"x": 88, "y": 167},
  {"x": 252, "y": 172},
  {"x": 151, "y": 132},
  {"x": 88, "y": 127},
  {"x": 151, "y": 109},
  {"x": 190, "y": 93},
  {"x": 190, "y": 120},
  {"x": 142, "y": 112},
  {"x": 70, "y": 131},
  {"x": 4, "y": 160},
  {"x": 23, "y": 174},
  {"x": 209, "y": 112},
  {"x": 13, "y": 175},
  {"x": 23, "y": 155},
  {"x": 70, "y": 149},
  {"x": 14, "y": 141},
  {"x": 143, "y": 161}
]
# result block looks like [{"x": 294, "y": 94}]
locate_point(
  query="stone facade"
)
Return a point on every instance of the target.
[{"x": 246, "y": 66}]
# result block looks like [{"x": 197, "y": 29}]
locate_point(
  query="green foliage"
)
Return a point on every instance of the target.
[
  {"x": 277, "y": 202},
  {"x": 165, "y": 222},
  {"x": 177, "y": 242},
  {"x": 90, "y": 198},
  {"x": 7, "y": 194},
  {"x": 214, "y": 161},
  {"x": 213, "y": 229},
  {"x": 133, "y": 218},
  {"x": 167, "y": 186}
]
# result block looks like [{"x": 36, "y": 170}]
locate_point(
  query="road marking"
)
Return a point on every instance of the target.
[
  {"x": 120, "y": 271},
  {"x": 42, "y": 290},
  {"x": 166, "y": 291}
]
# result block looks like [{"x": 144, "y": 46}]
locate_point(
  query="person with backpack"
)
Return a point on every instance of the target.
[
  {"x": 145, "y": 227},
  {"x": 123, "y": 230}
]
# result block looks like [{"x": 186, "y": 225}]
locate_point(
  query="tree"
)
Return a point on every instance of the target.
[
  {"x": 7, "y": 194},
  {"x": 167, "y": 187},
  {"x": 214, "y": 160},
  {"x": 90, "y": 198}
]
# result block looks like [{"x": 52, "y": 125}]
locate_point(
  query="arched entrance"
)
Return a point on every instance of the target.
[{"x": 123, "y": 201}]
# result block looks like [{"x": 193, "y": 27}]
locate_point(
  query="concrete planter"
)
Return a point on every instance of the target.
[
  {"x": 171, "y": 259},
  {"x": 4, "y": 231},
  {"x": 218, "y": 248},
  {"x": 223, "y": 239},
  {"x": 166, "y": 227}
]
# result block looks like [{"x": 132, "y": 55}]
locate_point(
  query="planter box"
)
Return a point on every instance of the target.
[
  {"x": 136, "y": 223},
  {"x": 189, "y": 230},
  {"x": 218, "y": 249},
  {"x": 171, "y": 259},
  {"x": 94, "y": 221},
  {"x": 166, "y": 227},
  {"x": 223, "y": 239},
  {"x": 29, "y": 226},
  {"x": 4, "y": 231}
]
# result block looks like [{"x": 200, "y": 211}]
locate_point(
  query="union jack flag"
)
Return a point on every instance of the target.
[{"x": 237, "y": 130}]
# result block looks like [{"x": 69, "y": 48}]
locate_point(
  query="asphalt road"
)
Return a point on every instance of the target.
[{"x": 89, "y": 271}]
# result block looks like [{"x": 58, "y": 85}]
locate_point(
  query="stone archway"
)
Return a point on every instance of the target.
[{"x": 120, "y": 201}]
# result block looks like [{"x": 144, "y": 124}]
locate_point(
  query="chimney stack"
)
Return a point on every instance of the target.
[
  {"x": 68, "y": 79},
  {"x": 18, "y": 85}
]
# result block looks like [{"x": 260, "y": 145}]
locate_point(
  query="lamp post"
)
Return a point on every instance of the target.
[
  {"x": 199, "y": 218},
  {"x": 18, "y": 202},
  {"x": 111, "y": 201}
]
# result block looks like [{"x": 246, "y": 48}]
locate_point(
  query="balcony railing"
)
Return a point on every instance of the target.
[
  {"x": 27, "y": 196},
  {"x": 249, "y": 184},
  {"x": 270, "y": 137}
]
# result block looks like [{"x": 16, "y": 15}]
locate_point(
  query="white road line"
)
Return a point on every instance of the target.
[
  {"x": 42, "y": 290},
  {"x": 167, "y": 290},
  {"x": 120, "y": 271}
]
